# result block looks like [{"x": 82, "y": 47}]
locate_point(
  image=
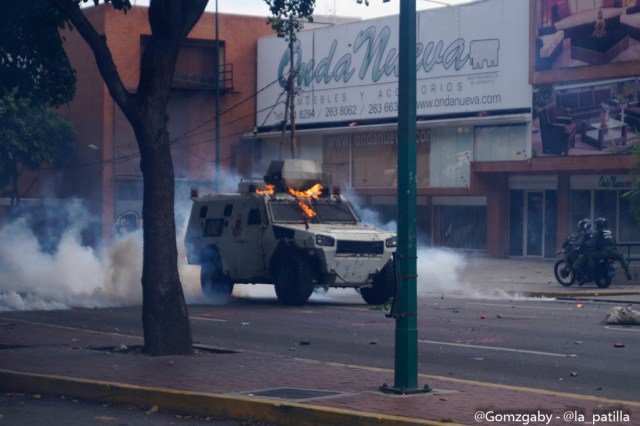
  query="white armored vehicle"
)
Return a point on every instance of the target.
[{"x": 291, "y": 232}]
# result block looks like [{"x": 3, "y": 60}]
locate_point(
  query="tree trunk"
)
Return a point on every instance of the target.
[{"x": 165, "y": 319}]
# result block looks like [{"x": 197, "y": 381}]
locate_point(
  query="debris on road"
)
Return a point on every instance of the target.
[{"x": 622, "y": 316}]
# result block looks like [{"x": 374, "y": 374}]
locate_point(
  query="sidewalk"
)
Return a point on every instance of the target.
[{"x": 290, "y": 391}]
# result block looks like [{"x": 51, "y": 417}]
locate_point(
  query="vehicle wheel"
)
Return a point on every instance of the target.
[
  {"x": 563, "y": 273},
  {"x": 382, "y": 288},
  {"x": 294, "y": 282},
  {"x": 603, "y": 280},
  {"x": 215, "y": 285}
]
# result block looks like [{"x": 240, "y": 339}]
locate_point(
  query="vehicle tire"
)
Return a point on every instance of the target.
[
  {"x": 294, "y": 281},
  {"x": 215, "y": 285},
  {"x": 563, "y": 273},
  {"x": 603, "y": 279},
  {"x": 603, "y": 282},
  {"x": 382, "y": 288}
]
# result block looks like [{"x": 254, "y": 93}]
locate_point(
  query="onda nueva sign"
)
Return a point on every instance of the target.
[{"x": 468, "y": 58}]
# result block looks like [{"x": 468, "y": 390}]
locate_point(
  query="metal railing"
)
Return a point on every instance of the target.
[{"x": 628, "y": 250}]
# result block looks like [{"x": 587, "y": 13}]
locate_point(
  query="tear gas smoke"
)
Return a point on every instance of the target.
[
  {"x": 38, "y": 274},
  {"x": 35, "y": 276},
  {"x": 45, "y": 274}
]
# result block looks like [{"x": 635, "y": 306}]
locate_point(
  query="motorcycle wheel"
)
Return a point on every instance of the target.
[
  {"x": 564, "y": 274},
  {"x": 603, "y": 282}
]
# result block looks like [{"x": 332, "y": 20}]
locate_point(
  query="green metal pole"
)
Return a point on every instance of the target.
[
  {"x": 406, "y": 357},
  {"x": 406, "y": 354},
  {"x": 217, "y": 64}
]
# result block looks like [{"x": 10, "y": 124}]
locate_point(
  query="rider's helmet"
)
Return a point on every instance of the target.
[
  {"x": 601, "y": 223},
  {"x": 580, "y": 225}
]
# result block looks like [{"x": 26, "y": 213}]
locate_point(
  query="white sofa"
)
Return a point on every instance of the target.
[
  {"x": 631, "y": 22},
  {"x": 573, "y": 16},
  {"x": 548, "y": 48}
]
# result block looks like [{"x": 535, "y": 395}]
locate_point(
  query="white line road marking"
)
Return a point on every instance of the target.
[
  {"x": 208, "y": 319},
  {"x": 496, "y": 348},
  {"x": 622, "y": 329},
  {"x": 518, "y": 306}
]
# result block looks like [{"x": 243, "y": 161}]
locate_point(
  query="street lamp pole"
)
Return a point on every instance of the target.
[
  {"x": 217, "y": 76},
  {"x": 405, "y": 309}
]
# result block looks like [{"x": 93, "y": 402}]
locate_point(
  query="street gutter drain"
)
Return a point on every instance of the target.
[{"x": 292, "y": 394}]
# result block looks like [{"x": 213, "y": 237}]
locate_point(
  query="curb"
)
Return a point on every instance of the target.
[
  {"x": 580, "y": 293},
  {"x": 199, "y": 403}
]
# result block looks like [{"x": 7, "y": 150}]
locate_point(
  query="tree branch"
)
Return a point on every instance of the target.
[{"x": 104, "y": 60}]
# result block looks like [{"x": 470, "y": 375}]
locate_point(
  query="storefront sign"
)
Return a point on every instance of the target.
[
  {"x": 602, "y": 182},
  {"x": 468, "y": 58},
  {"x": 372, "y": 138}
]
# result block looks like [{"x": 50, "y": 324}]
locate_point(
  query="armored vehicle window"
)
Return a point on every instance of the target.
[
  {"x": 254, "y": 217},
  {"x": 287, "y": 211},
  {"x": 203, "y": 211},
  {"x": 333, "y": 212},
  {"x": 213, "y": 227},
  {"x": 228, "y": 209},
  {"x": 290, "y": 211}
]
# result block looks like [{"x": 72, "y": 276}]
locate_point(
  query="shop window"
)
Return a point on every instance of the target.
[
  {"x": 606, "y": 205},
  {"x": 550, "y": 222},
  {"x": 464, "y": 227},
  {"x": 375, "y": 159},
  {"x": 579, "y": 208},
  {"x": 500, "y": 143},
  {"x": 450, "y": 157},
  {"x": 516, "y": 223},
  {"x": 629, "y": 227},
  {"x": 335, "y": 158},
  {"x": 612, "y": 205}
]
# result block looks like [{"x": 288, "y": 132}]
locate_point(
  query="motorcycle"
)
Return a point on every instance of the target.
[{"x": 602, "y": 271}]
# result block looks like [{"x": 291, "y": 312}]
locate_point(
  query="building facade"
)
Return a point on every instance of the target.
[
  {"x": 106, "y": 172},
  {"x": 491, "y": 177}
]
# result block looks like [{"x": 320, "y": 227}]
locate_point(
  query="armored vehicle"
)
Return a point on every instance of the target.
[{"x": 292, "y": 232}]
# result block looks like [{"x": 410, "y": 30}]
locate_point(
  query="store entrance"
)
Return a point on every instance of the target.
[{"x": 532, "y": 224}]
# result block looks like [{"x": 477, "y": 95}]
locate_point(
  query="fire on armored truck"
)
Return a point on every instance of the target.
[{"x": 289, "y": 231}]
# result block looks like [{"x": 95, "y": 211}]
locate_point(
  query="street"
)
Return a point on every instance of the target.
[{"x": 557, "y": 345}]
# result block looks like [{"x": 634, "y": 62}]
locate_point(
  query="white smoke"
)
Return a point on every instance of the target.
[
  {"x": 75, "y": 275},
  {"x": 439, "y": 271},
  {"x": 70, "y": 275}
]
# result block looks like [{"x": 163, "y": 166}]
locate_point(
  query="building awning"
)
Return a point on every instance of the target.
[{"x": 490, "y": 120}]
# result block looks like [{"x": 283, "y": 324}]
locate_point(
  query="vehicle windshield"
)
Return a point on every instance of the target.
[{"x": 325, "y": 210}]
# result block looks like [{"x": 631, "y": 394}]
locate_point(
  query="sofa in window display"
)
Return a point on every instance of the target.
[
  {"x": 577, "y": 16},
  {"x": 558, "y": 133},
  {"x": 549, "y": 46},
  {"x": 584, "y": 105},
  {"x": 630, "y": 21}
]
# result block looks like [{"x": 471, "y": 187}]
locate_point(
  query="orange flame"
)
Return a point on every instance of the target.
[
  {"x": 311, "y": 193},
  {"x": 308, "y": 211},
  {"x": 270, "y": 190}
]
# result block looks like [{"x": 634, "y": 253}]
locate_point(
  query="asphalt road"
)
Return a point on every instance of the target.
[{"x": 549, "y": 344}]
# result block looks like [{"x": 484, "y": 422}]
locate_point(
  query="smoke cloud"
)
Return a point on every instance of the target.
[
  {"x": 42, "y": 271},
  {"x": 37, "y": 273}
]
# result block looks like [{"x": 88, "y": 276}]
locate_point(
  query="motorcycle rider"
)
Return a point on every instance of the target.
[
  {"x": 584, "y": 245},
  {"x": 605, "y": 245}
]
